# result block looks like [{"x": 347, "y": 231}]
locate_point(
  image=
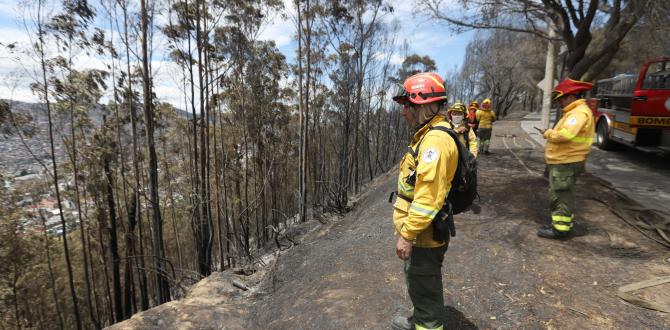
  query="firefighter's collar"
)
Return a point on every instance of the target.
[
  {"x": 573, "y": 105},
  {"x": 426, "y": 127}
]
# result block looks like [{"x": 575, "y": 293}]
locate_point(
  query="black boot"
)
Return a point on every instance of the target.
[
  {"x": 402, "y": 323},
  {"x": 549, "y": 232}
]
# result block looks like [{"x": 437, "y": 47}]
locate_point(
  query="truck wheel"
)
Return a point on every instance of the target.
[{"x": 602, "y": 136}]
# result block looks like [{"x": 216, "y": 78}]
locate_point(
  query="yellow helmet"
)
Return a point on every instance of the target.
[
  {"x": 486, "y": 104},
  {"x": 458, "y": 106}
]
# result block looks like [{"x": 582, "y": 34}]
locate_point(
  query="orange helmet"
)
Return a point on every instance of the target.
[
  {"x": 569, "y": 86},
  {"x": 473, "y": 106},
  {"x": 422, "y": 88}
]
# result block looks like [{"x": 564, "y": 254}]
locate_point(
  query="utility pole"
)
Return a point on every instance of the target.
[{"x": 548, "y": 76}]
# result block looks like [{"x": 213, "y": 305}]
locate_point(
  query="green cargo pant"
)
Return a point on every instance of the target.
[
  {"x": 562, "y": 180},
  {"x": 423, "y": 272},
  {"x": 484, "y": 135}
]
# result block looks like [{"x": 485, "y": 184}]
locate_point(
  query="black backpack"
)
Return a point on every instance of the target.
[
  {"x": 464, "y": 185},
  {"x": 463, "y": 188}
]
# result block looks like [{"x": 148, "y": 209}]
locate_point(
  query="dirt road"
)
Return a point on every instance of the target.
[
  {"x": 643, "y": 176},
  {"x": 498, "y": 273}
]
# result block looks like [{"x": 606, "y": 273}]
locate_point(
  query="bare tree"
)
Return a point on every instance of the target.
[
  {"x": 43, "y": 89},
  {"x": 162, "y": 285},
  {"x": 576, "y": 21},
  {"x": 491, "y": 69}
]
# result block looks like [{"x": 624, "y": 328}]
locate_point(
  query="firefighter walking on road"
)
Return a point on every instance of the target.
[
  {"x": 485, "y": 116},
  {"x": 568, "y": 145},
  {"x": 458, "y": 122},
  {"x": 426, "y": 173}
]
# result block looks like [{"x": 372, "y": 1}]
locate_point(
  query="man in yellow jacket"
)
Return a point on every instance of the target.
[
  {"x": 568, "y": 145},
  {"x": 485, "y": 117},
  {"x": 426, "y": 172}
]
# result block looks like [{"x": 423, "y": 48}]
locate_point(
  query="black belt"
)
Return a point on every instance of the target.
[{"x": 400, "y": 196}]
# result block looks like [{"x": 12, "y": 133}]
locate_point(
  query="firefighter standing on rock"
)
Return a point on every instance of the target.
[
  {"x": 422, "y": 189},
  {"x": 568, "y": 145}
]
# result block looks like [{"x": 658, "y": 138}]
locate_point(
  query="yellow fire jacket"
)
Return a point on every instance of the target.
[
  {"x": 570, "y": 140},
  {"x": 416, "y": 205},
  {"x": 486, "y": 118},
  {"x": 472, "y": 139}
]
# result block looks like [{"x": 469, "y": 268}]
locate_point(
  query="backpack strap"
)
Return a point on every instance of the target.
[
  {"x": 415, "y": 155},
  {"x": 459, "y": 147},
  {"x": 449, "y": 131},
  {"x": 466, "y": 135},
  {"x": 415, "y": 152}
]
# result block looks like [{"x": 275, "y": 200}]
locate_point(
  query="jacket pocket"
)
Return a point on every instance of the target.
[
  {"x": 400, "y": 210},
  {"x": 401, "y": 205}
]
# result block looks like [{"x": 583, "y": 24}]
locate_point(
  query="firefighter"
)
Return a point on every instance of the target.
[
  {"x": 422, "y": 190},
  {"x": 568, "y": 145},
  {"x": 485, "y": 116},
  {"x": 466, "y": 135},
  {"x": 472, "y": 116}
]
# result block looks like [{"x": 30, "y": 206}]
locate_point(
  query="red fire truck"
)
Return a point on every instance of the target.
[{"x": 634, "y": 109}]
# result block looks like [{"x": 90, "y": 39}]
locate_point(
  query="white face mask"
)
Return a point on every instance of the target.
[{"x": 457, "y": 119}]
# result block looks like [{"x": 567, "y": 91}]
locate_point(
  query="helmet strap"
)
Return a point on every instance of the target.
[{"x": 440, "y": 106}]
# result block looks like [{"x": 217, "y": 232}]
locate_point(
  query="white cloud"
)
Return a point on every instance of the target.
[
  {"x": 426, "y": 36},
  {"x": 281, "y": 33},
  {"x": 18, "y": 70},
  {"x": 10, "y": 89},
  {"x": 10, "y": 35},
  {"x": 280, "y": 26},
  {"x": 167, "y": 82},
  {"x": 394, "y": 59},
  {"x": 8, "y": 8}
]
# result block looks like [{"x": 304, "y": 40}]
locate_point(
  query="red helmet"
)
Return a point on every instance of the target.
[
  {"x": 422, "y": 88},
  {"x": 569, "y": 86}
]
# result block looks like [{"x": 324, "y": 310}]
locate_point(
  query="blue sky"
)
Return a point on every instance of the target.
[{"x": 425, "y": 37}]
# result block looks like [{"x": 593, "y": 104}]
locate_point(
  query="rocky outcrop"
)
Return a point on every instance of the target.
[{"x": 220, "y": 301}]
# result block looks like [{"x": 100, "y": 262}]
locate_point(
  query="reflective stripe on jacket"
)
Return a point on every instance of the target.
[
  {"x": 486, "y": 118},
  {"x": 416, "y": 205},
  {"x": 570, "y": 140}
]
